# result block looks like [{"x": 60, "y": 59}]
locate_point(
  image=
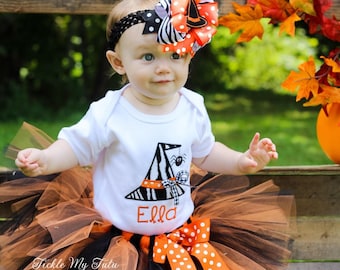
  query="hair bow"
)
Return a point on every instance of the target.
[{"x": 187, "y": 25}]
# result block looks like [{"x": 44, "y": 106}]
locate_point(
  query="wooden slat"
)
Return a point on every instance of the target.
[
  {"x": 317, "y": 238},
  {"x": 315, "y": 266},
  {"x": 333, "y": 169},
  {"x": 100, "y": 6},
  {"x": 56, "y": 6},
  {"x": 316, "y": 195}
]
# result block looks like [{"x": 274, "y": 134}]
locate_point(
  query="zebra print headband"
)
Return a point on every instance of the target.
[{"x": 182, "y": 26}]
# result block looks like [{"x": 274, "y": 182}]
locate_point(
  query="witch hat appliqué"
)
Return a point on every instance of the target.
[
  {"x": 194, "y": 20},
  {"x": 160, "y": 182}
]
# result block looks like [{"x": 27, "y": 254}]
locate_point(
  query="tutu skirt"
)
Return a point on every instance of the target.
[{"x": 54, "y": 225}]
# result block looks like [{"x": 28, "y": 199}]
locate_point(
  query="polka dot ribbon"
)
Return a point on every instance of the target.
[
  {"x": 189, "y": 240},
  {"x": 187, "y": 25},
  {"x": 149, "y": 17}
]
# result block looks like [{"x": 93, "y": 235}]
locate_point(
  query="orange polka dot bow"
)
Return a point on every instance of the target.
[
  {"x": 187, "y": 25},
  {"x": 190, "y": 239}
]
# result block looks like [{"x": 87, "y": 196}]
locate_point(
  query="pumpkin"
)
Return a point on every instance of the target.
[{"x": 328, "y": 131}]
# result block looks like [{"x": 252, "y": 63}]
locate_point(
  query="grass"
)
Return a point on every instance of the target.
[{"x": 236, "y": 116}]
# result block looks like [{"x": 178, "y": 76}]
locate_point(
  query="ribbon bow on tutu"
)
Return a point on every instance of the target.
[
  {"x": 189, "y": 240},
  {"x": 187, "y": 25}
]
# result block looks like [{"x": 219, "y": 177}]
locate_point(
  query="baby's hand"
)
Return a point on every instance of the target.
[
  {"x": 31, "y": 161},
  {"x": 260, "y": 153}
]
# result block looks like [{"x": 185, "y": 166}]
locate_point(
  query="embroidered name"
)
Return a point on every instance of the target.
[{"x": 155, "y": 214}]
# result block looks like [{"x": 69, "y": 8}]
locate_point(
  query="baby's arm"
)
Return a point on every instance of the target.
[
  {"x": 58, "y": 157},
  {"x": 228, "y": 161}
]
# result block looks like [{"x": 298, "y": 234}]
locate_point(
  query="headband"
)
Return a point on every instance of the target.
[{"x": 182, "y": 26}]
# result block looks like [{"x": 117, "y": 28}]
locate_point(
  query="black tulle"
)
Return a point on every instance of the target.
[
  {"x": 22, "y": 217},
  {"x": 96, "y": 249}
]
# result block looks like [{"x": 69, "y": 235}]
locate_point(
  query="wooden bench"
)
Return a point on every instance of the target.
[
  {"x": 317, "y": 193},
  {"x": 316, "y": 188}
]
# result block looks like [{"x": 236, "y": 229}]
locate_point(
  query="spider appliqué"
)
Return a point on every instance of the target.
[{"x": 178, "y": 160}]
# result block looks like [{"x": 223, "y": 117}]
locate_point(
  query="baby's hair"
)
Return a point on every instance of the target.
[{"x": 119, "y": 10}]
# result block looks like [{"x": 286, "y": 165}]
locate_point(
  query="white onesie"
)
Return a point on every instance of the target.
[{"x": 142, "y": 162}]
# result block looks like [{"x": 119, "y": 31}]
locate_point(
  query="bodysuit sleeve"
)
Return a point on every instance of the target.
[
  {"x": 91, "y": 134},
  {"x": 205, "y": 141}
]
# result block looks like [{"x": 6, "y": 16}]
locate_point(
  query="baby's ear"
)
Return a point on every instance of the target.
[{"x": 115, "y": 62}]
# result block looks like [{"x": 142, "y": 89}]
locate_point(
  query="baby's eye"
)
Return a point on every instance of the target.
[{"x": 148, "y": 57}]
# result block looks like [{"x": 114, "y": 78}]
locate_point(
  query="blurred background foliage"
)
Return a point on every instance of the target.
[
  {"x": 256, "y": 65},
  {"x": 50, "y": 63},
  {"x": 56, "y": 63}
]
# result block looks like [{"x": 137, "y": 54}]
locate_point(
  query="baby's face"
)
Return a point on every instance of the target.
[{"x": 151, "y": 71}]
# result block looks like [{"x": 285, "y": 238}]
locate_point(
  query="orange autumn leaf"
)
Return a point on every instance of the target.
[
  {"x": 329, "y": 94},
  {"x": 247, "y": 21},
  {"x": 288, "y": 25},
  {"x": 330, "y": 62},
  {"x": 304, "y": 6},
  {"x": 304, "y": 81}
]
